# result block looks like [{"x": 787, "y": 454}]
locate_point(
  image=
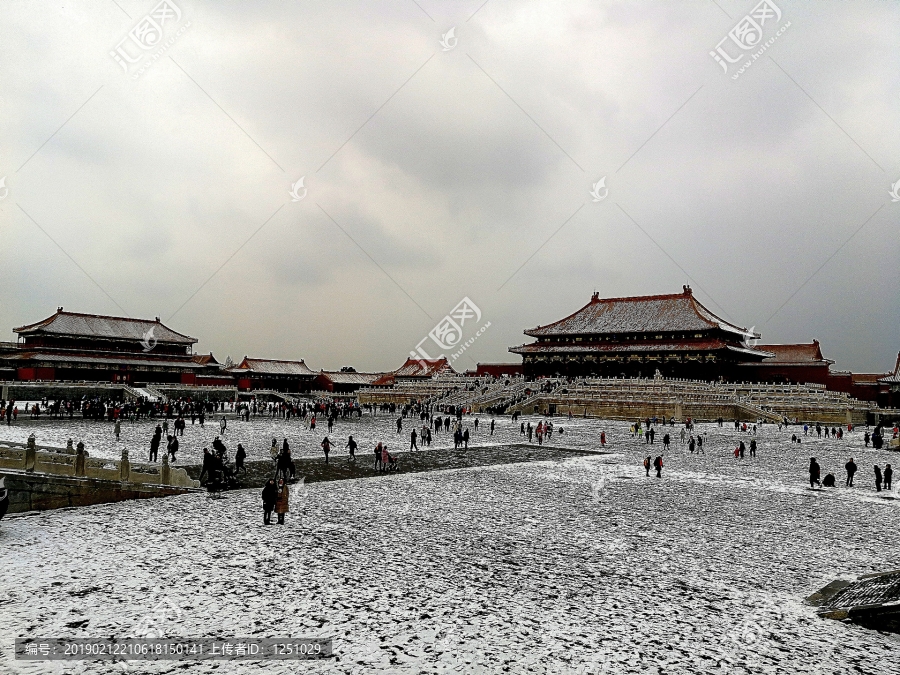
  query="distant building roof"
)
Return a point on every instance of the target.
[
  {"x": 895, "y": 377},
  {"x": 424, "y": 368},
  {"x": 384, "y": 381},
  {"x": 343, "y": 377},
  {"x": 274, "y": 367},
  {"x": 206, "y": 359},
  {"x": 795, "y": 355},
  {"x": 97, "y": 326},
  {"x": 679, "y": 312}
]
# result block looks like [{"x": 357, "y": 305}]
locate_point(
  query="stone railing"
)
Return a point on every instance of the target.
[{"x": 75, "y": 462}]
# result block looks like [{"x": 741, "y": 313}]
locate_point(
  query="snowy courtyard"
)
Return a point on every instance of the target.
[{"x": 582, "y": 565}]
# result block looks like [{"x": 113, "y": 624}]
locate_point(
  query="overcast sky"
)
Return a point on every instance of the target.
[{"x": 439, "y": 166}]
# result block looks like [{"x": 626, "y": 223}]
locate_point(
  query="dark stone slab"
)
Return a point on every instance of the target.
[
  {"x": 872, "y": 601},
  {"x": 340, "y": 468}
]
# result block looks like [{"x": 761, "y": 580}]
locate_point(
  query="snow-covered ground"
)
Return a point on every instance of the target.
[
  {"x": 257, "y": 434},
  {"x": 578, "y": 566}
]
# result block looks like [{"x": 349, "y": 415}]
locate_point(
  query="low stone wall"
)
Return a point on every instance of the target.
[
  {"x": 75, "y": 462},
  {"x": 40, "y": 492}
]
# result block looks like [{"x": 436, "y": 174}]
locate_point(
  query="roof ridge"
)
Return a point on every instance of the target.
[{"x": 253, "y": 358}]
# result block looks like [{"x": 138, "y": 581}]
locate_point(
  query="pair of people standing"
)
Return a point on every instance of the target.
[{"x": 275, "y": 497}]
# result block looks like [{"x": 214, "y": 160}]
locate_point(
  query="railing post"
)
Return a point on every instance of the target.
[
  {"x": 165, "y": 473},
  {"x": 30, "y": 453},
  {"x": 124, "y": 467},
  {"x": 79, "y": 459}
]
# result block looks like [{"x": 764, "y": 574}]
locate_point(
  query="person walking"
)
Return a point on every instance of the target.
[
  {"x": 850, "y": 467},
  {"x": 206, "y": 467},
  {"x": 658, "y": 465},
  {"x": 412, "y": 440},
  {"x": 269, "y": 497},
  {"x": 699, "y": 443},
  {"x": 465, "y": 438},
  {"x": 603, "y": 439},
  {"x": 239, "y": 458},
  {"x": 647, "y": 464},
  {"x": 877, "y": 478},
  {"x": 492, "y": 427},
  {"x": 222, "y": 426},
  {"x": 154, "y": 444},
  {"x": 692, "y": 444},
  {"x": 377, "y": 455},
  {"x": 351, "y": 446},
  {"x": 118, "y": 428},
  {"x": 753, "y": 447},
  {"x": 172, "y": 448},
  {"x": 888, "y": 474},
  {"x": 326, "y": 448},
  {"x": 666, "y": 442},
  {"x": 281, "y": 501},
  {"x": 815, "y": 472}
]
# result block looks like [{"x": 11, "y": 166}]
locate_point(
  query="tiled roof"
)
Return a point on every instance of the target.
[
  {"x": 625, "y": 347},
  {"x": 206, "y": 359},
  {"x": 895, "y": 377},
  {"x": 114, "y": 327},
  {"x": 423, "y": 368},
  {"x": 274, "y": 367},
  {"x": 384, "y": 381},
  {"x": 797, "y": 354},
  {"x": 641, "y": 314},
  {"x": 340, "y": 377}
]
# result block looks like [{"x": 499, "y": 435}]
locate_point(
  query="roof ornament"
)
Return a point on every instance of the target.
[
  {"x": 58, "y": 310},
  {"x": 687, "y": 290},
  {"x": 595, "y": 297}
]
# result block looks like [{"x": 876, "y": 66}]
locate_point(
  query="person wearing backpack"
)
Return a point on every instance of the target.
[
  {"x": 658, "y": 465},
  {"x": 647, "y": 463}
]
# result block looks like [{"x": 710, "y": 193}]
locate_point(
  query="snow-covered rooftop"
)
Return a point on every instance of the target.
[{"x": 679, "y": 312}]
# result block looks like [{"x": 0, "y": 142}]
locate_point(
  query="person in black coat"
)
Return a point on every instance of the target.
[
  {"x": 239, "y": 458},
  {"x": 850, "y": 466},
  {"x": 814, "y": 472},
  {"x": 877, "y": 478},
  {"x": 269, "y": 495},
  {"x": 154, "y": 444},
  {"x": 888, "y": 473},
  {"x": 207, "y": 467}
]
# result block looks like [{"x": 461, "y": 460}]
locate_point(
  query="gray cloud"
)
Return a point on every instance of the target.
[{"x": 452, "y": 185}]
